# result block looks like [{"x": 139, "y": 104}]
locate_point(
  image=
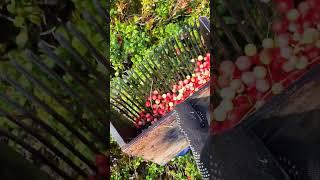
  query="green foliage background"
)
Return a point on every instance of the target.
[
  {"x": 24, "y": 23},
  {"x": 136, "y": 27}
]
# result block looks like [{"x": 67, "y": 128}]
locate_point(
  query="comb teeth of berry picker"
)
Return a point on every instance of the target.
[
  {"x": 45, "y": 112},
  {"x": 236, "y": 26},
  {"x": 164, "y": 66}
]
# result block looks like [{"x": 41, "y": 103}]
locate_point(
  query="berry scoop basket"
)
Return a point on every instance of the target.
[
  {"x": 167, "y": 64},
  {"x": 278, "y": 140}
]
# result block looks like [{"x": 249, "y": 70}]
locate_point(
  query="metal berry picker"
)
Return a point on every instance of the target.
[{"x": 264, "y": 124}]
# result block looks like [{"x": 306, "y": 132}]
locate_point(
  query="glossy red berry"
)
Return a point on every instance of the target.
[
  {"x": 148, "y": 104},
  {"x": 92, "y": 177},
  {"x": 101, "y": 160},
  {"x": 283, "y": 6},
  {"x": 103, "y": 171}
]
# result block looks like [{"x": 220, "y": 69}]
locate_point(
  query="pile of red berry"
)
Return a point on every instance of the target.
[
  {"x": 103, "y": 168},
  {"x": 158, "y": 104},
  {"x": 247, "y": 83}
]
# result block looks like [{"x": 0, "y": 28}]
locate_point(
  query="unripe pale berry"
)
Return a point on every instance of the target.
[
  {"x": 260, "y": 72},
  {"x": 288, "y": 66},
  {"x": 302, "y": 63},
  {"x": 262, "y": 85},
  {"x": 200, "y": 58},
  {"x": 226, "y": 105},
  {"x": 250, "y": 50},
  {"x": 248, "y": 78},
  {"x": 227, "y": 67},
  {"x": 268, "y": 43},
  {"x": 170, "y": 104},
  {"x": 293, "y": 27},
  {"x": 282, "y": 40},
  {"x": 227, "y": 93},
  {"x": 265, "y": 57},
  {"x": 286, "y": 52},
  {"x": 293, "y": 15},
  {"x": 236, "y": 84},
  {"x": 317, "y": 44},
  {"x": 310, "y": 35},
  {"x": 192, "y": 61},
  {"x": 277, "y": 88},
  {"x": 293, "y": 60},
  {"x": 243, "y": 63},
  {"x": 219, "y": 114},
  {"x": 296, "y": 36},
  {"x": 303, "y": 7}
]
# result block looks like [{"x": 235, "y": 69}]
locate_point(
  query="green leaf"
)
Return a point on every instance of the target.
[
  {"x": 18, "y": 21},
  {"x": 11, "y": 7},
  {"x": 101, "y": 68},
  {"x": 34, "y": 19},
  {"x": 79, "y": 46},
  {"x": 48, "y": 62},
  {"x": 22, "y": 38}
]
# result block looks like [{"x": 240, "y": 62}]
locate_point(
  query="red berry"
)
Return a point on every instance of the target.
[
  {"x": 155, "y": 92},
  {"x": 255, "y": 60},
  {"x": 154, "y": 106},
  {"x": 155, "y": 112},
  {"x": 235, "y": 115},
  {"x": 280, "y": 26},
  {"x": 215, "y": 127},
  {"x": 103, "y": 171},
  {"x": 237, "y": 74},
  {"x": 277, "y": 64},
  {"x": 252, "y": 92},
  {"x": 136, "y": 124},
  {"x": 148, "y": 104},
  {"x": 283, "y": 6},
  {"x": 148, "y": 115},
  {"x": 277, "y": 75},
  {"x": 101, "y": 160},
  {"x": 154, "y": 97},
  {"x": 240, "y": 101},
  {"x": 162, "y": 106},
  {"x": 313, "y": 52},
  {"x": 92, "y": 177}
]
